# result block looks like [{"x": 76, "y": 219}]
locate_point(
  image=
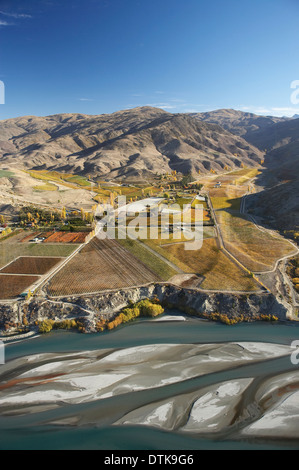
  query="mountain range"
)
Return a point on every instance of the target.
[
  {"x": 239, "y": 123},
  {"x": 132, "y": 144},
  {"x": 138, "y": 144}
]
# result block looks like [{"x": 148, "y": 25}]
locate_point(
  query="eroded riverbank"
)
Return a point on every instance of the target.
[{"x": 91, "y": 309}]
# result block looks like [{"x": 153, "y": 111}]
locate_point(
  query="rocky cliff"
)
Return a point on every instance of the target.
[{"x": 89, "y": 309}]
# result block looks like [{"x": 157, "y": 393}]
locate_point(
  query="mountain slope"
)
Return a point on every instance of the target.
[
  {"x": 239, "y": 122},
  {"x": 278, "y": 205},
  {"x": 279, "y": 202},
  {"x": 136, "y": 143},
  {"x": 282, "y": 135}
]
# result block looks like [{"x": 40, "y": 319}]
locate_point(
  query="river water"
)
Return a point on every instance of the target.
[{"x": 96, "y": 428}]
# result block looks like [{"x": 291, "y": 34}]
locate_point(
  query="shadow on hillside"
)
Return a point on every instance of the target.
[{"x": 276, "y": 204}]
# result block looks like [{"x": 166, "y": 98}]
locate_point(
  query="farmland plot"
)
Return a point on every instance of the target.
[
  {"x": 210, "y": 263},
  {"x": 13, "y": 247},
  {"x": 31, "y": 265},
  {"x": 100, "y": 265},
  {"x": 12, "y": 286},
  {"x": 257, "y": 249},
  {"x": 67, "y": 237}
]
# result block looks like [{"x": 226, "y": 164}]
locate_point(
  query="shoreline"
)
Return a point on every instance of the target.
[
  {"x": 11, "y": 339},
  {"x": 92, "y": 312}
]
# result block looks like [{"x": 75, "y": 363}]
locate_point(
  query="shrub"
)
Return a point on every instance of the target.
[
  {"x": 129, "y": 314},
  {"x": 65, "y": 325},
  {"x": 101, "y": 325},
  {"x": 116, "y": 322},
  {"x": 145, "y": 308},
  {"x": 149, "y": 309},
  {"x": 45, "y": 326}
]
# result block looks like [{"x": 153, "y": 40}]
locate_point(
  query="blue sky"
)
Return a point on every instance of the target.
[{"x": 100, "y": 56}]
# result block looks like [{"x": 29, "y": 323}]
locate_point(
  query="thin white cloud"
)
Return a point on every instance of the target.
[
  {"x": 4, "y": 23},
  {"x": 161, "y": 105},
  {"x": 191, "y": 110},
  {"x": 85, "y": 99},
  {"x": 15, "y": 15},
  {"x": 271, "y": 111},
  {"x": 287, "y": 111}
]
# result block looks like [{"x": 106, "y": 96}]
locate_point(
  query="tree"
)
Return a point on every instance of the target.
[
  {"x": 45, "y": 326},
  {"x": 89, "y": 217},
  {"x": 112, "y": 199},
  {"x": 29, "y": 295},
  {"x": 187, "y": 179}
]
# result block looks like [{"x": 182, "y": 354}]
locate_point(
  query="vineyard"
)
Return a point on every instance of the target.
[
  {"x": 31, "y": 265},
  {"x": 11, "y": 286},
  {"x": 100, "y": 265},
  {"x": 66, "y": 237}
]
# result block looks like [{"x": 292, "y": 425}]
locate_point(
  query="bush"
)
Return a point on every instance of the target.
[
  {"x": 116, "y": 322},
  {"x": 65, "y": 325},
  {"x": 101, "y": 325},
  {"x": 144, "y": 308},
  {"x": 129, "y": 314},
  {"x": 149, "y": 309},
  {"x": 45, "y": 326}
]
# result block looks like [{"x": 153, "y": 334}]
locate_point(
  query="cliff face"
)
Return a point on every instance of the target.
[{"x": 90, "y": 308}]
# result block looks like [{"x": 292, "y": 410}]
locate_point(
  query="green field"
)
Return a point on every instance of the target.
[
  {"x": 242, "y": 176},
  {"x": 226, "y": 203},
  {"x": 12, "y": 248},
  {"x": 80, "y": 180},
  {"x": 6, "y": 174},
  {"x": 46, "y": 187},
  {"x": 155, "y": 264}
]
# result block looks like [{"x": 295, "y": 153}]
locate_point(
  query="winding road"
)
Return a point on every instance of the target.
[{"x": 278, "y": 268}]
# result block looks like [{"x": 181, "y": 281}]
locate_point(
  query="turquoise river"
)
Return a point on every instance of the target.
[{"x": 96, "y": 423}]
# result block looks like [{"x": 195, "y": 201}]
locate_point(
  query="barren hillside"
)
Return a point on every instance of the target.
[
  {"x": 136, "y": 143},
  {"x": 239, "y": 123}
]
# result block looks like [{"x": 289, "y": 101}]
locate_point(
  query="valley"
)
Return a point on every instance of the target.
[
  {"x": 93, "y": 251},
  {"x": 149, "y": 228},
  {"x": 55, "y": 218}
]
